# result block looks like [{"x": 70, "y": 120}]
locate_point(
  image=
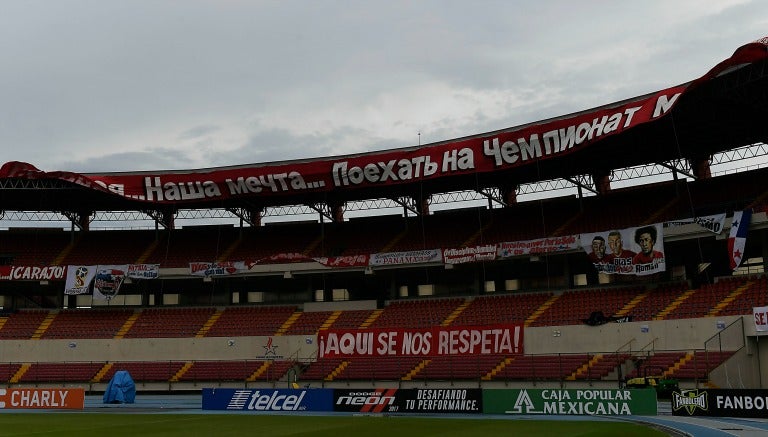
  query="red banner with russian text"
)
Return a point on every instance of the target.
[{"x": 483, "y": 153}]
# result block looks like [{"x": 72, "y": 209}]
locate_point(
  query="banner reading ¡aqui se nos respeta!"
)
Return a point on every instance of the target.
[{"x": 500, "y": 339}]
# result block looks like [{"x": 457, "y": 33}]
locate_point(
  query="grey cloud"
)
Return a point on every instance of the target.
[
  {"x": 82, "y": 77},
  {"x": 156, "y": 159}
]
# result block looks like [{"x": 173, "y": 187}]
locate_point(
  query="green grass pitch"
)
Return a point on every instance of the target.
[{"x": 240, "y": 425}]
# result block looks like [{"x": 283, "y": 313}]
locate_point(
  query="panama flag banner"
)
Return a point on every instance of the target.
[
  {"x": 108, "y": 280},
  {"x": 738, "y": 236}
]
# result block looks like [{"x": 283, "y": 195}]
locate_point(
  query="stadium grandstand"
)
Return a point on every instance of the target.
[{"x": 575, "y": 251}]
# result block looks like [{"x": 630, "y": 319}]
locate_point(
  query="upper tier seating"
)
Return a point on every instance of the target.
[
  {"x": 179, "y": 247},
  {"x": 350, "y": 319},
  {"x": 754, "y": 295},
  {"x": 256, "y": 243},
  {"x": 422, "y": 313},
  {"x": 354, "y": 237},
  {"x": 33, "y": 247},
  {"x": 539, "y": 367},
  {"x": 308, "y": 323},
  {"x": 250, "y": 321},
  {"x": 458, "y": 367},
  {"x": 22, "y": 324},
  {"x": 169, "y": 322},
  {"x": 655, "y": 362},
  {"x": 87, "y": 323},
  {"x": 236, "y": 371},
  {"x": 377, "y": 368},
  {"x": 109, "y": 247},
  {"x": 700, "y": 364},
  {"x": 505, "y": 308},
  {"x": 61, "y": 372},
  {"x": 601, "y": 366},
  {"x": 706, "y": 298},
  {"x": 576, "y": 305},
  {"x": 145, "y": 371},
  {"x": 657, "y": 299},
  {"x": 568, "y": 215},
  {"x": 438, "y": 231}
]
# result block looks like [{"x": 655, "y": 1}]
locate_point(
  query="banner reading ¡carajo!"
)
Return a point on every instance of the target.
[
  {"x": 500, "y": 339},
  {"x": 32, "y": 273}
]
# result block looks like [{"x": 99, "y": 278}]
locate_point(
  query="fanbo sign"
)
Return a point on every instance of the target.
[{"x": 502, "y": 339}]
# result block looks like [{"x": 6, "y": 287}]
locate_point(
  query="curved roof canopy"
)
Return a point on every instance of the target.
[{"x": 724, "y": 109}]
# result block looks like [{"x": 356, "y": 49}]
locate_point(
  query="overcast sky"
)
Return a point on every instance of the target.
[{"x": 102, "y": 85}]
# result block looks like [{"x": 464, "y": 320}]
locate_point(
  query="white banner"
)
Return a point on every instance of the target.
[
  {"x": 630, "y": 251},
  {"x": 108, "y": 280},
  {"x": 713, "y": 223},
  {"x": 539, "y": 245},
  {"x": 143, "y": 271},
  {"x": 410, "y": 257},
  {"x": 79, "y": 279},
  {"x": 760, "y": 314},
  {"x": 223, "y": 268},
  {"x": 470, "y": 254}
]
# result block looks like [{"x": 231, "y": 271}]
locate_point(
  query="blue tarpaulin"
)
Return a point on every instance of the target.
[{"x": 121, "y": 389}]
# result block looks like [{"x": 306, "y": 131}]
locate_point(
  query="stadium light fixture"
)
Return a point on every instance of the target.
[
  {"x": 288, "y": 275},
  {"x": 368, "y": 271},
  {"x": 207, "y": 279}
]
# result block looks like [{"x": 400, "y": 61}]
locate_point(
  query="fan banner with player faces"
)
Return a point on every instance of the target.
[{"x": 630, "y": 251}]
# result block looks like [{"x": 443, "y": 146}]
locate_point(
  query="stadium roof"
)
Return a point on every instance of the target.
[{"x": 724, "y": 109}]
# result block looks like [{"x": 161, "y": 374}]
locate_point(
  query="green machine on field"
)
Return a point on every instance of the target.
[{"x": 653, "y": 376}]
